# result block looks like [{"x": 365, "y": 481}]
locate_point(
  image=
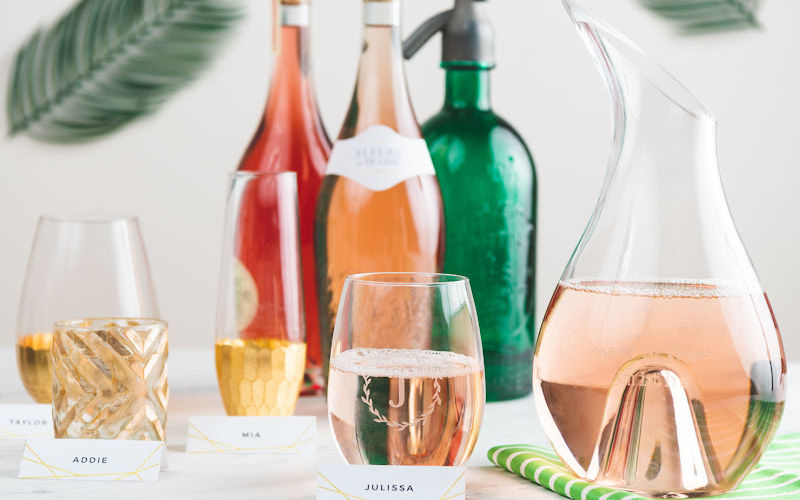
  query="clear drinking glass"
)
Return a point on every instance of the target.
[
  {"x": 406, "y": 383},
  {"x": 78, "y": 268},
  {"x": 260, "y": 335},
  {"x": 659, "y": 367},
  {"x": 110, "y": 378}
]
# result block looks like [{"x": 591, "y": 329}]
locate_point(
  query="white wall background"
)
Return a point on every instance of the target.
[{"x": 170, "y": 169}]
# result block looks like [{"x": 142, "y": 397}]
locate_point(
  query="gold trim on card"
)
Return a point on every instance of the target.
[
  {"x": 335, "y": 489},
  {"x": 454, "y": 495},
  {"x": 9, "y": 434},
  {"x": 66, "y": 474},
  {"x": 221, "y": 447}
]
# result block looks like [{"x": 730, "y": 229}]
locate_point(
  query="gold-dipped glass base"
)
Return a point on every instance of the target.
[
  {"x": 260, "y": 376},
  {"x": 33, "y": 363}
]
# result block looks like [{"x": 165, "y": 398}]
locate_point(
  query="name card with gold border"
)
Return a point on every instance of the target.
[
  {"x": 385, "y": 482},
  {"x": 25, "y": 421},
  {"x": 264, "y": 435},
  {"x": 91, "y": 459}
]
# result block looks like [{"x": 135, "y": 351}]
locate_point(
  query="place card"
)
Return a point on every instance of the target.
[
  {"x": 26, "y": 421},
  {"x": 91, "y": 459},
  {"x": 267, "y": 435},
  {"x": 387, "y": 481}
]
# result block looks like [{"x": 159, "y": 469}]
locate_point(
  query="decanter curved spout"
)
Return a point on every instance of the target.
[
  {"x": 662, "y": 184},
  {"x": 659, "y": 366},
  {"x": 643, "y": 94}
]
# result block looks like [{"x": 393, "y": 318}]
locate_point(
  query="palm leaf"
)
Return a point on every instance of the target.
[
  {"x": 701, "y": 16},
  {"x": 107, "y": 62}
]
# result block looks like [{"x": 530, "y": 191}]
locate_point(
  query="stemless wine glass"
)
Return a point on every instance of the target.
[
  {"x": 78, "y": 268},
  {"x": 406, "y": 383},
  {"x": 260, "y": 335}
]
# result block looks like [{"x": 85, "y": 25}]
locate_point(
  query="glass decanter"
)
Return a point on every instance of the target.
[{"x": 659, "y": 367}]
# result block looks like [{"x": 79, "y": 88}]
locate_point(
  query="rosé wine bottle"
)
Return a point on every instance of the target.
[
  {"x": 290, "y": 137},
  {"x": 379, "y": 209}
]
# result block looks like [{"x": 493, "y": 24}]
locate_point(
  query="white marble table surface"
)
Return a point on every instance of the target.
[{"x": 193, "y": 392}]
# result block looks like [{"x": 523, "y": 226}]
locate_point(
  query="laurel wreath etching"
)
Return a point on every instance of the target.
[{"x": 380, "y": 418}]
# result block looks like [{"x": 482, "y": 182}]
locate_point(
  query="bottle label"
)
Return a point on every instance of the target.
[
  {"x": 245, "y": 293},
  {"x": 294, "y": 15},
  {"x": 379, "y": 158}
]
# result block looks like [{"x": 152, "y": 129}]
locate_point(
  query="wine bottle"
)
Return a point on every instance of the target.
[
  {"x": 488, "y": 184},
  {"x": 379, "y": 207},
  {"x": 290, "y": 137}
]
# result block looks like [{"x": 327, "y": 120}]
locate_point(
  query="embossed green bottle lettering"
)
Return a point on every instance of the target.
[{"x": 488, "y": 185}]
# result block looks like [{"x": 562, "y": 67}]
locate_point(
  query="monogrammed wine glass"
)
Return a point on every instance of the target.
[{"x": 406, "y": 384}]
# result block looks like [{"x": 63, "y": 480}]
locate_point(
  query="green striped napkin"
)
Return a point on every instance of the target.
[{"x": 776, "y": 476}]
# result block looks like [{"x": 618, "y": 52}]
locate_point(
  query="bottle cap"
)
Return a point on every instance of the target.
[
  {"x": 287, "y": 13},
  {"x": 467, "y": 35}
]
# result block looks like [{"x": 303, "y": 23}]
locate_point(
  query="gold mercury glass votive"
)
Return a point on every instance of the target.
[{"x": 110, "y": 379}]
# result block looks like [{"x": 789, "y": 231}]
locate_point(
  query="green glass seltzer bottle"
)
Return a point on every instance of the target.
[{"x": 488, "y": 184}]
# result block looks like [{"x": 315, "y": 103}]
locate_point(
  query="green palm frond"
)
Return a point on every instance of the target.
[
  {"x": 107, "y": 62},
  {"x": 700, "y": 16}
]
